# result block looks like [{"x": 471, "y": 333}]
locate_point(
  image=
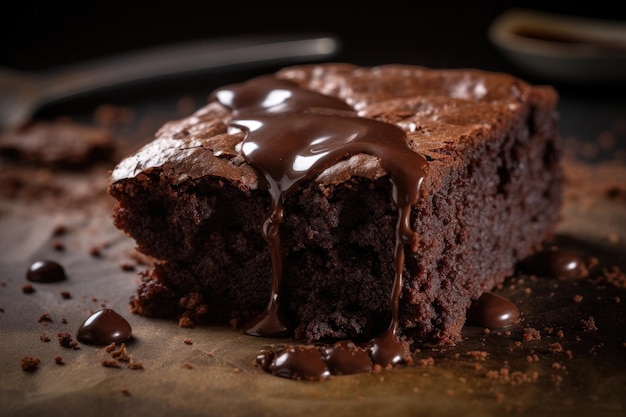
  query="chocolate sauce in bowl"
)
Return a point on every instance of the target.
[{"x": 292, "y": 135}]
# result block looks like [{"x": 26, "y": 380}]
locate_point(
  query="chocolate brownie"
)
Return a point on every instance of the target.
[{"x": 333, "y": 201}]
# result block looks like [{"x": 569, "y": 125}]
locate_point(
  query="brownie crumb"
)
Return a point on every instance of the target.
[
  {"x": 30, "y": 363},
  {"x": 44, "y": 337},
  {"x": 532, "y": 358},
  {"x": 59, "y": 360},
  {"x": 45, "y": 317},
  {"x": 66, "y": 295},
  {"x": 127, "y": 267},
  {"x": 477, "y": 355},
  {"x": 187, "y": 365},
  {"x": 110, "y": 363},
  {"x": 59, "y": 230},
  {"x": 28, "y": 289},
  {"x": 1, "y": 310},
  {"x": 531, "y": 334},
  {"x": 187, "y": 341},
  {"x": 95, "y": 252},
  {"x": 110, "y": 347},
  {"x": 65, "y": 340},
  {"x": 185, "y": 321},
  {"x": 430, "y": 361},
  {"x": 589, "y": 324},
  {"x": 614, "y": 276},
  {"x": 125, "y": 392},
  {"x": 58, "y": 246},
  {"x": 578, "y": 298},
  {"x": 556, "y": 347},
  {"x": 121, "y": 354},
  {"x": 134, "y": 365}
]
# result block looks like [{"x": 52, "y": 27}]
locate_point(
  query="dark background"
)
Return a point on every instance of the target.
[
  {"x": 40, "y": 35},
  {"x": 441, "y": 33}
]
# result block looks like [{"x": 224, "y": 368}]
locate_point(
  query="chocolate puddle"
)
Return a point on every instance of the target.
[{"x": 293, "y": 135}]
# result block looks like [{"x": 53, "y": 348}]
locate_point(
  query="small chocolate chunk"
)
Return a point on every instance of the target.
[
  {"x": 104, "y": 327},
  {"x": 45, "y": 272},
  {"x": 492, "y": 311},
  {"x": 555, "y": 264}
]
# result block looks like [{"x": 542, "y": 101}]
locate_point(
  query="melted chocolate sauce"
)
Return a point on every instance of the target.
[
  {"x": 45, "y": 272},
  {"x": 555, "y": 264},
  {"x": 492, "y": 311},
  {"x": 293, "y": 135},
  {"x": 346, "y": 358},
  {"x": 104, "y": 327},
  {"x": 299, "y": 362}
]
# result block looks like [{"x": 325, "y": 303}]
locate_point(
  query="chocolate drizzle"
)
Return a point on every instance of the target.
[{"x": 292, "y": 135}]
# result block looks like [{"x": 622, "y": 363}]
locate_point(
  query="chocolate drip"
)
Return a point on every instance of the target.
[{"x": 293, "y": 135}]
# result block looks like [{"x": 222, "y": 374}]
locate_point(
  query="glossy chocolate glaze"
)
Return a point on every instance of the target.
[
  {"x": 104, "y": 327},
  {"x": 293, "y": 135}
]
